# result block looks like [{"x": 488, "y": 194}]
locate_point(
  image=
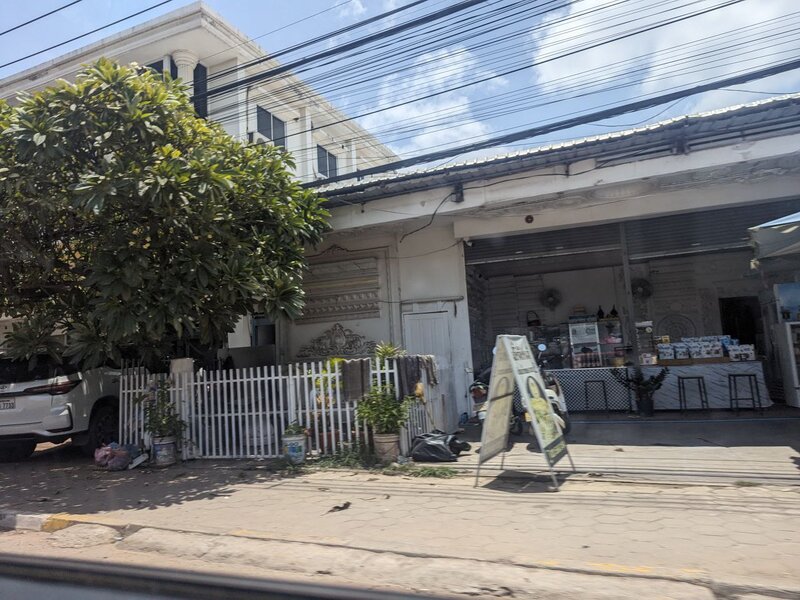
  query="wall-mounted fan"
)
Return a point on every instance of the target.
[{"x": 550, "y": 298}]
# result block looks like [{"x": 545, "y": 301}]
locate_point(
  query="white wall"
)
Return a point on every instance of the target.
[
  {"x": 433, "y": 278},
  {"x": 425, "y": 273},
  {"x": 591, "y": 288}
]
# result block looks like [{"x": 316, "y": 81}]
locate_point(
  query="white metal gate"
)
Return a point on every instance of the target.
[{"x": 242, "y": 413}]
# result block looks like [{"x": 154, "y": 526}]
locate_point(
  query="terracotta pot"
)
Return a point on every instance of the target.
[{"x": 387, "y": 446}]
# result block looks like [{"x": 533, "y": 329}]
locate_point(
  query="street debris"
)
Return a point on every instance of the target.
[
  {"x": 118, "y": 458},
  {"x": 340, "y": 507}
]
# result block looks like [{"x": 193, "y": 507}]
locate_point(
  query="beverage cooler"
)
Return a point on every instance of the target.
[{"x": 789, "y": 348}]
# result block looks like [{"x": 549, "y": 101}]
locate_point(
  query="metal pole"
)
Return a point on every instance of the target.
[{"x": 626, "y": 273}]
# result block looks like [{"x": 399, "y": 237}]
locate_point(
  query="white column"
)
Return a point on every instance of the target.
[
  {"x": 352, "y": 159},
  {"x": 306, "y": 153},
  {"x": 186, "y": 62}
]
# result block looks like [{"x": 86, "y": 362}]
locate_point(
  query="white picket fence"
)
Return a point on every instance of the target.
[{"x": 242, "y": 413}]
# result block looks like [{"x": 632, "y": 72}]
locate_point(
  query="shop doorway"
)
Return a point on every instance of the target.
[{"x": 741, "y": 319}]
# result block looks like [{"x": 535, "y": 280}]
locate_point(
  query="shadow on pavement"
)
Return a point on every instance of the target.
[
  {"x": 61, "y": 479},
  {"x": 522, "y": 482}
]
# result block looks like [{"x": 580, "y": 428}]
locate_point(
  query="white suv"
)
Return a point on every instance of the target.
[{"x": 53, "y": 402}]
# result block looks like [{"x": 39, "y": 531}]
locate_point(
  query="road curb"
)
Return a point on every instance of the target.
[{"x": 49, "y": 523}]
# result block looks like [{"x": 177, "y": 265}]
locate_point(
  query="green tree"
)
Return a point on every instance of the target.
[{"x": 130, "y": 223}]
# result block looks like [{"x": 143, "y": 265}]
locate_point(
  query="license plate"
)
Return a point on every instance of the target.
[{"x": 8, "y": 404}]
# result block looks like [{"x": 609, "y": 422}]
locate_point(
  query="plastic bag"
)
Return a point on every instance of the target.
[
  {"x": 102, "y": 456},
  {"x": 119, "y": 461},
  {"x": 437, "y": 446}
]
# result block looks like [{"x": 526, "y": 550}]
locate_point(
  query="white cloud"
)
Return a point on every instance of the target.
[
  {"x": 713, "y": 55},
  {"x": 352, "y": 9},
  {"x": 441, "y": 121}
]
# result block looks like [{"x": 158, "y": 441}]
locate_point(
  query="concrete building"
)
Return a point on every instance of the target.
[{"x": 650, "y": 223}]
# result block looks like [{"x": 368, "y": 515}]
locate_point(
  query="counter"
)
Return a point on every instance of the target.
[
  {"x": 716, "y": 377},
  {"x": 584, "y": 388}
]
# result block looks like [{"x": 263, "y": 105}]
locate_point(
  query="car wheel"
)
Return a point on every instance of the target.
[
  {"x": 17, "y": 451},
  {"x": 103, "y": 429}
]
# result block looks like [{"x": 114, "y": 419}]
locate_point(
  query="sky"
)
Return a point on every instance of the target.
[{"x": 745, "y": 35}]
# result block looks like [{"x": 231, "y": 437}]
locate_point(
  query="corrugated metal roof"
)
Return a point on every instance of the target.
[{"x": 760, "y": 112}]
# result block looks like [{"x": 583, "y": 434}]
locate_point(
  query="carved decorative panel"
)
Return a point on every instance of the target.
[{"x": 337, "y": 341}]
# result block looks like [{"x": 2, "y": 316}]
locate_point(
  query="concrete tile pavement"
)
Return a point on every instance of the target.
[
  {"x": 750, "y": 534},
  {"x": 690, "y": 448}
]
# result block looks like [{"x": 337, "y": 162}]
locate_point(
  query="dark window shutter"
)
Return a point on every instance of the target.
[
  {"x": 263, "y": 122},
  {"x": 322, "y": 161},
  {"x": 332, "y": 166},
  {"x": 201, "y": 87},
  {"x": 173, "y": 69},
  {"x": 278, "y": 132}
]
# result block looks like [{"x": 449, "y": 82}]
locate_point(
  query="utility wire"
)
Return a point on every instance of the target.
[
  {"x": 341, "y": 49},
  {"x": 40, "y": 17},
  {"x": 569, "y": 123},
  {"x": 83, "y": 35},
  {"x": 584, "y": 84},
  {"x": 325, "y": 37},
  {"x": 427, "y": 47},
  {"x": 536, "y": 63},
  {"x": 527, "y": 64},
  {"x": 258, "y": 37}
]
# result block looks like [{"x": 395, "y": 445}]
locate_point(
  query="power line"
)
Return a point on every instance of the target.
[
  {"x": 428, "y": 47},
  {"x": 526, "y": 64},
  {"x": 569, "y": 123},
  {"x": 537, "y": 63},
  {"x": 306, "y": 44},
  {"x": 584, "y": 84},
  {"x": 40, "y": 17},
  {"x": 83, "y": 35},
  {"x": 276, "y": 30},
  {"x": 343, "y": 48}
]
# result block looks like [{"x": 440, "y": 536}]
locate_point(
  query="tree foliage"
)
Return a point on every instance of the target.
[{"x": 129, "y": 222}]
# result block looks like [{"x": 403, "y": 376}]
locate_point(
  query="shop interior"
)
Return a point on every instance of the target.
[{"x": 690, "y": 297}]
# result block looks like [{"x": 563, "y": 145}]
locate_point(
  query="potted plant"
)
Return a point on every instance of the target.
[
  {"x": 163, "y": 423},
  {"x": 643, "y": 387},
  {"x": 294, "y": 443},
  {"x": 385, "y": 415}
]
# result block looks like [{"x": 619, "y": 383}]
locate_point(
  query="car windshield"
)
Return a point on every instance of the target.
[{"x": 44, "y": 367}]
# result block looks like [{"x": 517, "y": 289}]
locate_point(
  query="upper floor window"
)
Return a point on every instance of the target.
[
  {"x": 326, "y": 163},
  {"x": 271, "y": 126}
]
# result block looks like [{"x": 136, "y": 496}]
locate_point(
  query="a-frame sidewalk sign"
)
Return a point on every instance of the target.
[{"x": 515, "y": 366}]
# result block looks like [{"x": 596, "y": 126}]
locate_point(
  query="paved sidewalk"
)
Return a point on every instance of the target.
[
  {"x": 713, "y": 449},
  {"x": 678, "y": 521},
  {"x": 732, "y": 534}
]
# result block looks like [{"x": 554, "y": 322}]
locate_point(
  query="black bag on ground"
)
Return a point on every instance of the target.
[{"x": 437, "y": 446}]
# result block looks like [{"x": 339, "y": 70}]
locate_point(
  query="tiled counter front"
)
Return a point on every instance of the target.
[
  {"x": 716, "y": 378},
  {"x": 588, "y": 398}
]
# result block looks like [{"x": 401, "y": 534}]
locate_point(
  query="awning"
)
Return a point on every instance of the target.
[{"x": 776, "y": 238}]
